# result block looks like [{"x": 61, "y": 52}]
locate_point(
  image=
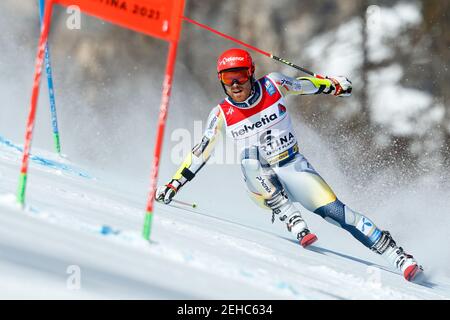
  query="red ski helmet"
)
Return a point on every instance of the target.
[{"x": 235, "y": 58}]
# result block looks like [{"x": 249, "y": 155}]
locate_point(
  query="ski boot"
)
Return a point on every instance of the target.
[
  {"x": 397, "y": 257},
  {"x": 294, "y": 221},
  {"x": 306, "y": 238}
]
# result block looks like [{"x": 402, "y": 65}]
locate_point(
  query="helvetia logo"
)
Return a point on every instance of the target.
[{"x": 258, "y": 124}]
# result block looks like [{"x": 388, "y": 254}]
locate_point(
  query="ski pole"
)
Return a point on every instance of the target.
[
  {"x": 51, "y": 91},
  {"x": 192, "y": 205},
  {"x": 270, "y": 55}
]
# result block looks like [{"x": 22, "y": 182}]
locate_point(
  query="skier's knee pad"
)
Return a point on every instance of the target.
[
  {"x": 250, "y": 169},
  {"x": 357, "y": 224},
  {"x": 261, "y": 181},
  {"x": 250, "y": 160},
  {"x": 250, "y": 165}
]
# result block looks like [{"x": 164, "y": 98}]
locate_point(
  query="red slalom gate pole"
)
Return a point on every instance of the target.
[
  {"x": 34, "y": 98},
  {"x": 270, "y": 55},
  {"x": 167, "y": 89}
]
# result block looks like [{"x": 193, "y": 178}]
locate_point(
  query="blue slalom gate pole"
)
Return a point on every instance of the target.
[{"x": 51, "y": 91}]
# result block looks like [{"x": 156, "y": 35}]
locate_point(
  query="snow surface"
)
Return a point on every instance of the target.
[{"x": 88, "y": 223}]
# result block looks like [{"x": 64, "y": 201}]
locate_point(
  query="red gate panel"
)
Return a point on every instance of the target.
[{"x": 157, "y": 18}]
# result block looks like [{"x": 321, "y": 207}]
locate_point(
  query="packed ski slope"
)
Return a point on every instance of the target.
[{"x": 79, "y": 238}]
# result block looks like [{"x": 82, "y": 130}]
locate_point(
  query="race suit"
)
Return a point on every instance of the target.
[{"x": 270, "y": 158}]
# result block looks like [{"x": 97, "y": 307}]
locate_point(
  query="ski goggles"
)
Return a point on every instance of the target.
[{"x": 240, "y": 76}]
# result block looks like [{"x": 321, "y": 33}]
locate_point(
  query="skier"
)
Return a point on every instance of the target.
[{"x": 276, "y": 174}]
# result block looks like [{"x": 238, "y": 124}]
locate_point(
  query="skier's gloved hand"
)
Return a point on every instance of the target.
[
  {"x": 342, "y": 87},
  {"x": 165, "y": 193}
]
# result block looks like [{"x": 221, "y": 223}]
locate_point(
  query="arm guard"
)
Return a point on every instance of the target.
[
  {"x": 301, "y": 85},
  {"x": 202, "y": 151}
]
